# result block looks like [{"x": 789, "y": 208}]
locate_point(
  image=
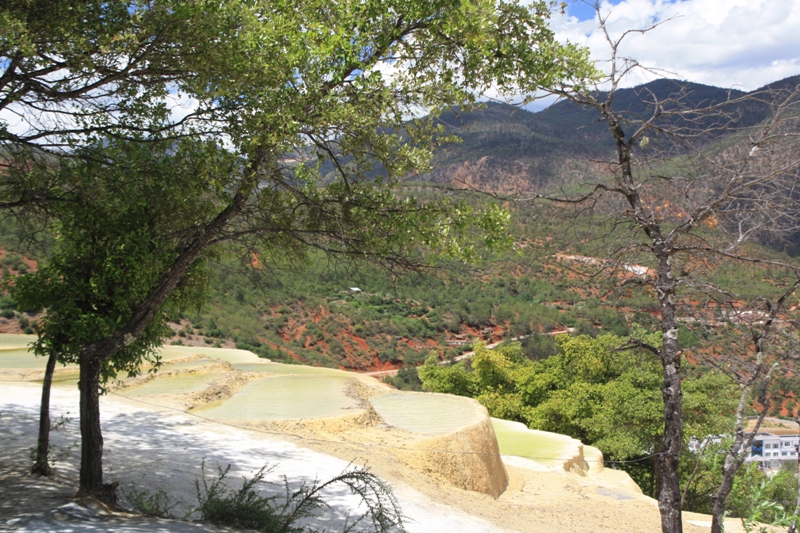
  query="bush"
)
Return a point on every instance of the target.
[
  {"x": 7, "y": 303},
  {"x": 247, "y": 508},
  {"x": 156, "y": 504},
  {"x": 406, "y": 379}
]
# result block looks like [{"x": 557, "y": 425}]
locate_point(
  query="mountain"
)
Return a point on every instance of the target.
[{"x": 507, "y": 149}]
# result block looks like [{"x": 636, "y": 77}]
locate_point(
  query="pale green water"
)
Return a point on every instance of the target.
[
  {"x": 310, "y": 392},
  {"x": 225, "y": 354},
  {"x": 11, "y": 340},
  {"x": 66, "y": 378},
  {"x": 427, "y": 413},
  {"x": 20, "y": 358},
  {"x": 14, "y": 352},
  {"x": 284, "y": 398},
  {"x": 190, "y": 364},
  {"x": 181, "y": 384},
  {"x": 279, "y": 368},
  {"x": 543, "y": 447}
]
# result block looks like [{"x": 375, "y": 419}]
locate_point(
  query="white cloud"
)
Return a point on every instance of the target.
[
  {"x": 728, "y": 43},
  {"x": 180, "y": 105}
]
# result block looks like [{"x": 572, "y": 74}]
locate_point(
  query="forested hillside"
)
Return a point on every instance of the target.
[
  {"x": 574, "y": 290},
  {"x": 554, "y": 279},
  {"x": 310, "y": 313}
]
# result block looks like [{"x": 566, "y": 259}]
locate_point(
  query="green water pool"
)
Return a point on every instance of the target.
[
  {"x": 189, "y": 364},
  {"x": 224, "y": 354},
  {"x": 180, "y": 384},
  {"x": 11, "y": 340},
  {"x": 20, "y": 358},
  {"x": 540, "y": 446},
  {"x": 427, "y": 413},
  {"x": 279, "y": 368},
  {"x": 284, "y": 398}
]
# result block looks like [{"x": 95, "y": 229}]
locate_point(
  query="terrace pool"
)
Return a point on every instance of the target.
[
  {"x": 427, "y": 413},
  {"x": 284, "y": 398}
]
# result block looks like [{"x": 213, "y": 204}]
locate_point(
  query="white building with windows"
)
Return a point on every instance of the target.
[{"x": 772, "y": 451}]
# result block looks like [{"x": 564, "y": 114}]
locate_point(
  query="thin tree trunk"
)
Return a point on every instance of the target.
[
  {"x": 697, "y": 464},
  {"x": 654, "y": 484},
  {"x": 669, "y": 490},
  {"x": 91, "y": 475},
  {"x": 667, "y": 463},
  {"x": 734, "y": 458},
  {"x": 41, "y": 464},
  {"x": 719, "y": 498}
]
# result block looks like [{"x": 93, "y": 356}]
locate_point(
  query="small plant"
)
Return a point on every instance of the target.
[
  {"x": 148, "y": 503},
  {"x": 57, "y": 454},
  {"x": 765, "y": 511},
  {"x": 247, "y": 508}
]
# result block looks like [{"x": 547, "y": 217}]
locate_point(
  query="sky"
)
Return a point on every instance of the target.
[{"x": 743, "y": 44}]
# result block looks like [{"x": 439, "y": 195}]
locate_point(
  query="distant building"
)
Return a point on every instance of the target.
[
  {"x": 459, "y": 339},
  {"x": 772, "y": 451}
]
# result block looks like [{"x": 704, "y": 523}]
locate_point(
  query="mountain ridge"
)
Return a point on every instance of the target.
[{"x": 507, "y": 149}]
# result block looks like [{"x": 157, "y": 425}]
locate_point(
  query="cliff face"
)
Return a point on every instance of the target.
[{"x": 468, "y": 459}]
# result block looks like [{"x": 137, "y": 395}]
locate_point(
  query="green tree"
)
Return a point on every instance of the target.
[
  {"x": 598, "y": 390},
  {"x": 309, "y": 99},
  {"x": 676, "y": 199},
  {"x": 117, "y": 232}
]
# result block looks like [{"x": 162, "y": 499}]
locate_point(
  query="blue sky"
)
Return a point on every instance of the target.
[
  {"x": 582, "y": 10},
  {"x": 728, "y": 43}
]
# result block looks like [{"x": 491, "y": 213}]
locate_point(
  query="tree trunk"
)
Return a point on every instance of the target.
[
  {"x": 718, "y": 500},
  {"x": 654, "y": 485},
  {"x": 91, "y": 477},
  {"x": 669, "y": 490},
  {"x": 41, "y": 465},
  {"x": 667, "y": 463},
  {"x": 717, "y": 512},
  {"x": 95, "y": 353},
  {"x": 734, "y": 459}
]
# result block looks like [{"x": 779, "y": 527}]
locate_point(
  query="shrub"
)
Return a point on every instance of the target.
[
  {"x": 247, "y": 508},
  {"x": 156, "y": 504}
]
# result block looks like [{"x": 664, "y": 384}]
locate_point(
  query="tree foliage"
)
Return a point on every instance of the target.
[
  {"x": 118, "y": 227},
  {"x": 299, "y": 101},
  {"x": 593, "y": 389}
]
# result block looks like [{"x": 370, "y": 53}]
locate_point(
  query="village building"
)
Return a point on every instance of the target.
[{"x": 772, "y": 451}]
